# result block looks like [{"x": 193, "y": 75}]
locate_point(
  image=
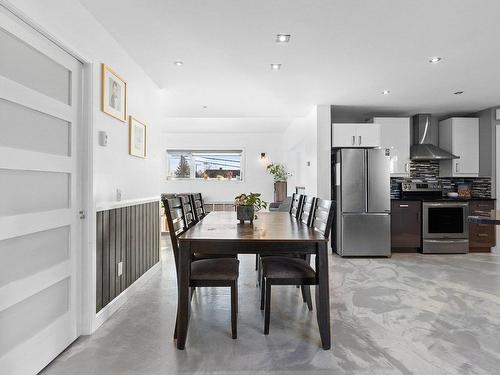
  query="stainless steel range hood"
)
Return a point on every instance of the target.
[{"x": 424, "y": 146}]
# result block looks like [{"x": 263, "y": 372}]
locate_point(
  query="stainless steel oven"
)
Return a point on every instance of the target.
[{"x": 444, "y": 227}]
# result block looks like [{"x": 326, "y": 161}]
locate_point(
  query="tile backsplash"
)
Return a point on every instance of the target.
[{"x": 428, "y": 171}]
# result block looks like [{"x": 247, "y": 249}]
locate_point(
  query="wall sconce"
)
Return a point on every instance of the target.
[{"x": 262, "y": 155}]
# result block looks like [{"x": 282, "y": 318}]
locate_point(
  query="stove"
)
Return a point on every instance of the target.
[
  {"x": 444, "y": 221},
  {"x": 421, "y": 190}
]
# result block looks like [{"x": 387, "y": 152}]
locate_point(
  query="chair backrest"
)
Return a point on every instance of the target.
[
  {"x": 296, "y": 205},
  {"x": 198, "y": 206},
  {"x": 323, "y": 216},
  {"x": 187, "y": 211},
  {"x": 307, "y": 209},
  {"x": 175, "y": 221}
]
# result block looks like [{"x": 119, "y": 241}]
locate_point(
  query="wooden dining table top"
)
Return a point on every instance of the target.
[{"x": 269, "y": 227}]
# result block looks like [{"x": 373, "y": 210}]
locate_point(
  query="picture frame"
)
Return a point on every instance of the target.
[
  {"x": 113, "y": 94},
  {"x": 137, "y": 138}
]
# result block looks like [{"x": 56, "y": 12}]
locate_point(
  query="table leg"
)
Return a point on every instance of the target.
[
  {"x": 323, "y": 295},
  {"x": 183, "y": 293}
]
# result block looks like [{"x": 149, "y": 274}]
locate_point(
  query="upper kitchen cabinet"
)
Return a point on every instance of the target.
[
  {"x": 460, "y": 136},
  {"x": 355, "y": 135},
  {"x": 395, "y": 135}
]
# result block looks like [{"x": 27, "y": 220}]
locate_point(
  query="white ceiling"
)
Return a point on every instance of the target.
[{"x": 342, "y": 52}]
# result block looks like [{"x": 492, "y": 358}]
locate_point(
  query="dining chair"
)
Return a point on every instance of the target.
[
  {"x": 220, "y": 272},
  {"x": 280, "y": 270},
  {"x": 306, "y": 211},
  {"x": 296, "y": 205},
  {"x": 198, "y": 206}
]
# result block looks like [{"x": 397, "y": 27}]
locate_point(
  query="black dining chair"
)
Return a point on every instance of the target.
[
  {"x": 296, "y": 205},
  {"x": 198, "y": 206},
  {"x": 221, "y": 272},
  {"x": 280, "y": 270}
]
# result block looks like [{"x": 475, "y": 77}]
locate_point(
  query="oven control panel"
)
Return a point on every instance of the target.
[{"x": 421, "y": 186}]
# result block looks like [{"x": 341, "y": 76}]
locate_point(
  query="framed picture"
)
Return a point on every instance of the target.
[
  {"x": 137, "y": 138},
  {"x": 113, "y": 94}
]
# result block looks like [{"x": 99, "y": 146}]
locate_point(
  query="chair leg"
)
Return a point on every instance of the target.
[
  {"x": 262, "y": 292},
  {"x": 234, "y": 309},
  {"x": 267, "y": 311},
  {"x": 303, "y": 292},
  {"x": 175, "y": 329},
  {"x": 256, "y": 262},
  {"x": 306, "y": 293},
  {"x": 259, "y": 272}
]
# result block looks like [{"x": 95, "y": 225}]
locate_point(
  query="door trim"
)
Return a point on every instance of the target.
[{"x": 86, "y": 262}]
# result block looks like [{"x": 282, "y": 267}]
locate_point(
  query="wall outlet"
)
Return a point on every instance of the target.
[{"x": 120, "y": 268}]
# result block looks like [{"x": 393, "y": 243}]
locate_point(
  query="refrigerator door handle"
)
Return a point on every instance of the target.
[{"x": 353, "y": 140}]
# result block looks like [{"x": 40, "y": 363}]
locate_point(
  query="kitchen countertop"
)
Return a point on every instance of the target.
[
  {"x": 443, "y": 199},
  {"x": 494, "y": 218}
]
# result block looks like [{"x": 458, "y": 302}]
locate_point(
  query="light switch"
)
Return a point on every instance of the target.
[
  {"x": 103, "y": 138},
  {"x": 118, "y": 195},
  {"x": 497, "y": 115},
  {"x": 120, "y": 268}
]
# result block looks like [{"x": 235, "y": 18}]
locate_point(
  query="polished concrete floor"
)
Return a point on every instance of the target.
[{"x": 410, "y": 314}]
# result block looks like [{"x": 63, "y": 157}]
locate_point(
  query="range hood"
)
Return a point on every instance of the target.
[{"x": 424, "y": 146}]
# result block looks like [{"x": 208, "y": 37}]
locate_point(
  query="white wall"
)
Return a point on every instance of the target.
[
  {"x": 300, "y": 148},
  {"x": 74, "y": 26},
  {"x": 255, "y": 179}
]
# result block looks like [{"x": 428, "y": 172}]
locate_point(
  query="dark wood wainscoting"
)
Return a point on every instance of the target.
[{"x": 129, "y": 235}]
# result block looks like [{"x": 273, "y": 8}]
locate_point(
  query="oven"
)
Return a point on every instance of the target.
[{"x": 444, "y": 227}]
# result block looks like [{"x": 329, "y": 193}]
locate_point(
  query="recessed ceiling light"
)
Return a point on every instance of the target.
[
  {"x": 275, "y": 66},
  {"x": 205, "y": 107},
  {"x": 283, "y": 38},
  {"x": 458, "y": 92},
  {"x": 178, "y": 63},
  {"x": 386, "y": 92},
  {"x": 435, "y": 60}
]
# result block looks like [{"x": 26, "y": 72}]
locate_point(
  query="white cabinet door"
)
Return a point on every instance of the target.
[
  {"x": 344, "y": 135},
  {"x": 368, "y": 135},
  {"x": 465, "y": 143},
  {"x": 395, "y": 135}
]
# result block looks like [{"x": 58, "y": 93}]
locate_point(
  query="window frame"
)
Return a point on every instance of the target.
[{"x": 193, "y": 166}]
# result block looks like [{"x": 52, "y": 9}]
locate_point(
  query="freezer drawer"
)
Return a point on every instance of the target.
[{"x": 366, "y": 235}]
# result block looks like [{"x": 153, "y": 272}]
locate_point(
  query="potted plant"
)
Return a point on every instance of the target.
[
  {"x": 247, "y": 205},
  {"x": 280, "y": 175}
]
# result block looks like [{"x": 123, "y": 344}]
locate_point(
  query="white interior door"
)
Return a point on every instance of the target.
[{"x": 40, "y": 102}]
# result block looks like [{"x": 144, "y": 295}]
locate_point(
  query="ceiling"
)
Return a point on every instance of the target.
[{"x": 342, "y": 52}]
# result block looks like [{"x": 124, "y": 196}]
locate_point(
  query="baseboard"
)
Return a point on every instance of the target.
[{"x": 112, "y": 307}]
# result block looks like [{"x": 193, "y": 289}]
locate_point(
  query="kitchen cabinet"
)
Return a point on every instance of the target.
[
  {"x": 355, "y": 135},
  {"x": 406, "y": 225},
  {"x": 395, "y": 135},
  {"x": 481, "y": 236},
  {"x": 460, "y": 136}
]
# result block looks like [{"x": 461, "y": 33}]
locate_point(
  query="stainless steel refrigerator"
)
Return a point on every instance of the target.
[{"x": 362, "y": 192}]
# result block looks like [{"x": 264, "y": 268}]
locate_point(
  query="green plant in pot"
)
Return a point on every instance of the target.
[
  {"x": 278, "y": 171},
  {"x": 248, "y": 205}
]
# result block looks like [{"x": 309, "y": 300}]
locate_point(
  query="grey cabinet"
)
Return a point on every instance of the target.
[{"x": 406, "y": 225}]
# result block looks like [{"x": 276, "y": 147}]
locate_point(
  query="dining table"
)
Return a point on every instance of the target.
[{"x": 270, "y": 233}]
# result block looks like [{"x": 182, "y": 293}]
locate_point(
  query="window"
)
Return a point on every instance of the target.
[{"x": 225, "y": 165}]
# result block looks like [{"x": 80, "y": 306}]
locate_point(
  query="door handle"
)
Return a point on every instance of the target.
[
  {"x": 360, "y": 140},
  {"x": 403, "y": 205},
  {"x": 482, "y": 235},
  {"x": 456, "y": 167},
  {"x": 353, "y": 140}
]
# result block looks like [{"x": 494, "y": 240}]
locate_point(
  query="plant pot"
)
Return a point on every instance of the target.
[
  {"x": 244, "y": 213},
  {"x": 279, "y": 191}
]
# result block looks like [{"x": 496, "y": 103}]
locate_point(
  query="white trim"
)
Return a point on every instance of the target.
[
  {"x": 20, "y": 225},
  {"x": 108, "y": 310},
  {"x": 129, "y": 202},
  {"x": 19, "y": 290},
  {"x": 13, "y": 158},
  {"x": 36, "y": 349},
  {"x": 19, "y": 94}
]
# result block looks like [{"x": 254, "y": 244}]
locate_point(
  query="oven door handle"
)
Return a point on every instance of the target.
[{"x": 447, "y": 204}]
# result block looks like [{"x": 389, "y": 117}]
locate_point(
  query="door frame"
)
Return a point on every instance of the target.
[{"x": 85, "y": 262}]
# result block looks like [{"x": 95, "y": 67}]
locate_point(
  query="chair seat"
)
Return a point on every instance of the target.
[
  {"x": 220, "y": 269},
  {"x": 287, "y": 268}
]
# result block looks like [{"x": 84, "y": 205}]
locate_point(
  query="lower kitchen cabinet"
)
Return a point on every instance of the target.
[
  {"x": 406, "y": 227},
  {"x": 481, "y": 236}
]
